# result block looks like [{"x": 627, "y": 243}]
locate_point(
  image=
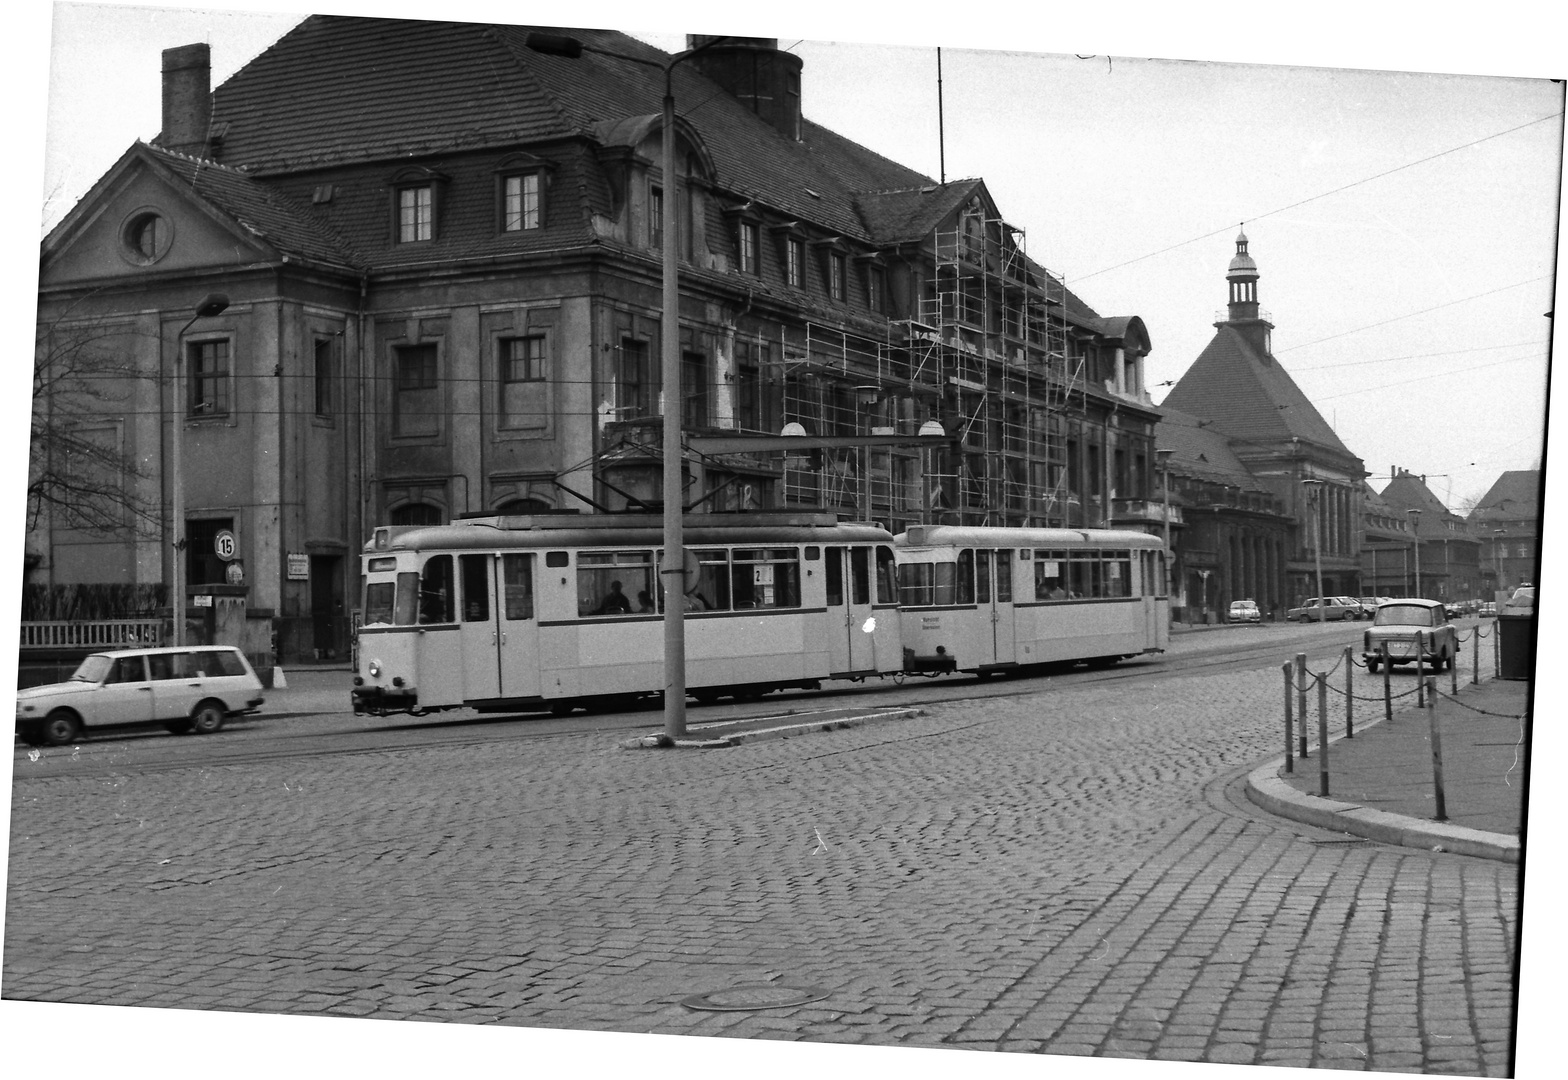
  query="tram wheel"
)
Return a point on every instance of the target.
[{"x": 561, "y": 708}]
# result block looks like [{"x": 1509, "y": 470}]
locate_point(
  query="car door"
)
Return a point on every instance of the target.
[
  {"x": 176, "y": 684},
  {"x": 124, "y": 697}
]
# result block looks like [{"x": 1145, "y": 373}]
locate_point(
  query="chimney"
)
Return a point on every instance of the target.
[
  {"x": 762, "y": 76},
  {"x": 187, "y": 99}
]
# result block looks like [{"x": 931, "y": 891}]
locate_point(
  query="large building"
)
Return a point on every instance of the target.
[
  {"x": 1282, "y": 441},
  {"x": 1506, "y": 523},
  {"x": 1445, "y": 560},
  {"x": 438, "y": 251}
]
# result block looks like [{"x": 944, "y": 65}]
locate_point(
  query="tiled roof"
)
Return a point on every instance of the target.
[
  {"x": 1514, "y": 496},
  {"x": 267, "y": 214},
  {"x": 1201, "y": 450},
  {"x": 338, "y": 90},
  {"x": 1251, "y": 396}
]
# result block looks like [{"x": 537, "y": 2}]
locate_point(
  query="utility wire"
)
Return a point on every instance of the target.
[{"x": 1323, "y": 195}]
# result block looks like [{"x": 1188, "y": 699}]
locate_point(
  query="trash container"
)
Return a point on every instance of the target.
[{"x": 1515, "y": 646}]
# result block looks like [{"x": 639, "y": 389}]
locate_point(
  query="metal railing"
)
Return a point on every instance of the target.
[{"x": 91, "y": 634}]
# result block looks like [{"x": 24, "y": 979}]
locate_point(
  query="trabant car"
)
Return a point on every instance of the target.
[
  {"x": 1411, "y": 627},
  {"x": 190, "y": 688},
  {"x": 1245, "y": 611}
]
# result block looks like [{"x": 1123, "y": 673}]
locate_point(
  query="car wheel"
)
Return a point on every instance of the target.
[
  {"x": 207, "y": 718},
  {"x": 179, "y": 727},
  {"x": 60, "y": 727},
  {"x": 32, "y": 733}
]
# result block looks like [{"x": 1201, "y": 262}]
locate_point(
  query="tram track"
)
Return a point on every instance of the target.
[{"x": 159, "y": 753}]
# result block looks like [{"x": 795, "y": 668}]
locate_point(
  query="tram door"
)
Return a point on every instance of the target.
[
  {"x": 500, "y": 641},
  {"x": 849, "y": 597},
  {"x": 994, "y": 598}
]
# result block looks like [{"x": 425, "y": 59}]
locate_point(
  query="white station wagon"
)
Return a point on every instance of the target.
[{"x": 191, "y": 688}]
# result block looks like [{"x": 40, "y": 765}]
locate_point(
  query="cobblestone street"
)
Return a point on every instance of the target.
[{"x": 1062, "y": 874}]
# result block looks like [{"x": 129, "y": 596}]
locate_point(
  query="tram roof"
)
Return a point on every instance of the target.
[
  {"x": 601, "y": 530},
  {"x": 997, "y": 536}
]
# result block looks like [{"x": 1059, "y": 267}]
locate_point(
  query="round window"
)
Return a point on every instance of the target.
[{"x": 146, "y": 237}]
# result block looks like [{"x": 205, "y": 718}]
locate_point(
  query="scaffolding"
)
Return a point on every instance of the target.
[{"x": 998, "y": 341}]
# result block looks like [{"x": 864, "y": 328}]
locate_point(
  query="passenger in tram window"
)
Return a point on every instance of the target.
[
  {"x": 694, "y": 602},
  {"x": 615, "y": 602},
  {"x": 644, "y": 602}
]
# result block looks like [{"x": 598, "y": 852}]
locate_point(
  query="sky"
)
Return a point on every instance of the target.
[{"x": 1404, "y": 223}]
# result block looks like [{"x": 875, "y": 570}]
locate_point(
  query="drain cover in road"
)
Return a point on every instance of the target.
[{"x": 758, "y": 996}]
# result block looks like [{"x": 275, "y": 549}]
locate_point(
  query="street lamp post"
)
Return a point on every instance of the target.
[
  {"x": 1415, "y": 536},
  {"x": 674, "y": 564},
  {"x": 213, "y": 304},
  {"x": 1497, "y": 555},
  {"x": 1314, "y": 490},
  {"x": 1165, "y": 513}
]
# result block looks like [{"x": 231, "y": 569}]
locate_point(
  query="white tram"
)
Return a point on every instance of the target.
[
  {"x": 560, "y": 611},
  {"x": 989, "y": 600}
]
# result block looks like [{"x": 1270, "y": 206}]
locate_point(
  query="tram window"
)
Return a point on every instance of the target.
[
  {"x": 435, "y": 591},
  {"x": 476, "y": 587},
  {"x": 556, "y": 558},
  {"x": 376, "y": 566},
  {"x": 965, "y": 591},
  {"x": 765, "y": 578},
  {"x": 1048, "y": 584},
  {"x": 378, "y": 602},
  {"x": 614, "y": 582},
  {"x": 1004, "y": 578},
  {"x": 517, "y": 585},
  {"x": 835, "y": 577},
  {"x": 407, "y": 599},
  {"x": 1084, "y": 575},
  {"x": 942, "y": 584},
  {"x": 1118, "y": 573},
  {"x": 915, "y": 584},
  {"x": 983, "y": 575},
  {"x": 813, "y": 553},
  {"x": 860, "y": 574},
  {"x": 887, "y": 576}
]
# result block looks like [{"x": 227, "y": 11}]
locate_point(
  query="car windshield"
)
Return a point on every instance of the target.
[
  {"x": 92, "y": 669},
  {"x": 1404, "y": 615}
]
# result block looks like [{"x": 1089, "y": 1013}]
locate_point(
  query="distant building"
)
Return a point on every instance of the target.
[
  {"x": 1237, "y": 387},
  {"x": 1387, "y": 548},
  {"x": 1234, "y": 538},
  {"x": 441, "y": 246},
  {"x": 1447, "y": 565},
  {"x": 1507, "y": 524}
]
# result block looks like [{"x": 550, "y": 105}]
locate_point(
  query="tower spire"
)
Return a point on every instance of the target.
[{"x": 1243, "y": 279}]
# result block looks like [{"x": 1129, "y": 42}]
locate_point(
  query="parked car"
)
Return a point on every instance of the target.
[
  {"x": 1370, "y": 604},
  {"x": 1487, "y": 610},
  {"x": 1357, "y": 610},
  {"x": 1245, "y": 611},
  {"x": 1522, "y": 602},
  {"x": 193, "y": 688},
  {"x": 1453, "y": 611},
  {"x": 1333, "y": 609},
  {"x": 1411, "y": 627}
]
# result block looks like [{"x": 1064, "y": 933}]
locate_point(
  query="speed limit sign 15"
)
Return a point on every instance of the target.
[{"x": 224, "y": 544}]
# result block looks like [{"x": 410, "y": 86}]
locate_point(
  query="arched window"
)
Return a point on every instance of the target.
[{"x": 416, "y": 514}]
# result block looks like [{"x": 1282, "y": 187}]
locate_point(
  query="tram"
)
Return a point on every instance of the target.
[
  {"x": 561, "y": 612},
  {"x": 990, "y": 600}
]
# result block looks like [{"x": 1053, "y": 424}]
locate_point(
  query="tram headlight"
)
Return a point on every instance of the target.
[{"x": 374, "y": 669}]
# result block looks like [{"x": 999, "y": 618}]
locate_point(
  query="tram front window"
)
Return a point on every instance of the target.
[
  {"x": 435, "y": 591},
  {"x": 379, "y": 597}
]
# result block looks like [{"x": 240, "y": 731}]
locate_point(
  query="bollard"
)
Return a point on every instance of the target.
[
  {"x": 1322, "y": 734},
  {"x": 1453, "y": 670},
  {"x": 1290, "y": 759},
  {"x": 1420, "y": 669},
  {"x": 1388, "y": 690},
  {"x": 1475, "y": 657},
  {"x": 1497, "y": 654},
  {"x": 1301, "y": 701},
  {"x": 1437, "y": 752},
  {"x": 1350, "y": 702}
]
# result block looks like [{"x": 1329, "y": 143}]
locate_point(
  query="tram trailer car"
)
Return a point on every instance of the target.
[
  {"x": 560, "y": 611},
  {"x": 989, "y": 600}
]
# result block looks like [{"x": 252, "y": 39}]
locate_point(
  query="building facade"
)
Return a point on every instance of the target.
[
  {"x": 439, "y": 251},
  {"x": 1506, "y": 523},
  {"x": 1238, "y": 388}
]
